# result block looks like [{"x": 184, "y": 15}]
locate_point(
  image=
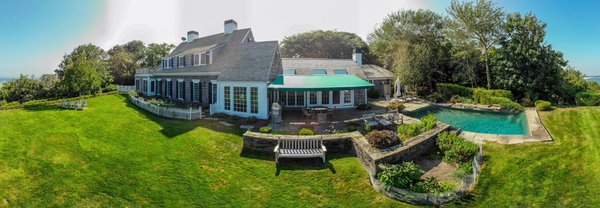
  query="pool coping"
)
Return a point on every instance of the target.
[{"x": 537, "y": 132}]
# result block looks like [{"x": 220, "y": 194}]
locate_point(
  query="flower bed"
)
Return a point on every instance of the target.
[{"x": 167, "y": 112}]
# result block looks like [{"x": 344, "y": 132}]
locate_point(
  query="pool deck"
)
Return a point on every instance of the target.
[{"x": 537, "y": 132}]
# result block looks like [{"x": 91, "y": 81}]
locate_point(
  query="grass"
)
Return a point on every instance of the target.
[
  {"x": 565, "y": 173},
  {"x": 114, "y": 155}
]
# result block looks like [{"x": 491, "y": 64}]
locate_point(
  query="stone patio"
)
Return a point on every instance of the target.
[{"x": 294, "y": 119}]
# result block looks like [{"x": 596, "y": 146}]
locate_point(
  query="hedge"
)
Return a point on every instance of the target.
[
  {"x": 588, "y": 98},
  {"x": 480, "y": 94},
  {"x": 46, "y": 102},
  {"x": 543, "y": 105},
  {"x": 449, "y": 90}
]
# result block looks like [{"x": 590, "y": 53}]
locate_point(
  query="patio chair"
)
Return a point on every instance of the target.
[
  {"x": 76, "y": 105},
  {"x": 307, "y": 113},
  {"x": 83, "y": 104},
  {"x": 330, "y": 112},
  {"x": 65, "y": 104},
  {"x": 395, "y": 117}
]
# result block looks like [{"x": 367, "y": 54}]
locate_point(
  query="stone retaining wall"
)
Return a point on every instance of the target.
[
  {"x": 265, "y": 143},
  {"x": 422, "y": 144}
]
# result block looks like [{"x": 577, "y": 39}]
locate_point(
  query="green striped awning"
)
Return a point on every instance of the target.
[{"x": 318, "y": 83}]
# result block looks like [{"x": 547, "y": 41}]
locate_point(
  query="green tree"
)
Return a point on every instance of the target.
[
  {"x": 525, "y": 64},
  {"x": 84, "y": 70},
  {"x": 322, "y": 44},
  {"x": 155, "y": 53},
  {"x": 480, "y": 23},
  {"x": 49, "y": 86},
  {"x": 23, "y": 89},
  {"x": 121, "y": 65},
  {"x": 573, "y": 83},
  {"x": 413, "y": 44}
]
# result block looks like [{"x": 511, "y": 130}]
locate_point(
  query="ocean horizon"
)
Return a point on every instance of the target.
[{"x": 595, "y": 79}]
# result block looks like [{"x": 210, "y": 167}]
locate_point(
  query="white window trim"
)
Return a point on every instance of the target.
[{"x": 179, "y": 61}]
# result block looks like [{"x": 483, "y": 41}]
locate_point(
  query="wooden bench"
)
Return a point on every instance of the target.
[{"x": 299, "y": 148}]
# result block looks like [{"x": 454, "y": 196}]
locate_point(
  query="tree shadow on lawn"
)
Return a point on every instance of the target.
[{"x": 175, "y": 127}]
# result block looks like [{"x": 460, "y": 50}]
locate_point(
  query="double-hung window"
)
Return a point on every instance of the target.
[
  {"x": 180, "y": 89},
  {"x": 181, "y": 61},
  {"x": 196, "y": 92}
]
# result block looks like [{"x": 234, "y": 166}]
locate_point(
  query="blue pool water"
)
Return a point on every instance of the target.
[{"x": 478, "y": 121}]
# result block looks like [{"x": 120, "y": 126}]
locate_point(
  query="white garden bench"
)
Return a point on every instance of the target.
[{"x": 299, "y": 148}]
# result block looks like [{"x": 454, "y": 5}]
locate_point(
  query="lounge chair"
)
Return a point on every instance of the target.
[
  {"x": 395, "y": 117},
  {"x": 76, "y": 105},
  {"x": 84, "y": 104},
  {"x": 369, "y": 119}
]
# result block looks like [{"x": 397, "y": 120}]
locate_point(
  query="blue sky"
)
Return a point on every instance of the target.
[{"x": 34, "y": 35}]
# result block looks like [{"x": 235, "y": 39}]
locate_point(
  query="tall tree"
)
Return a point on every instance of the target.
[
  {"x": 412, "y": 43},
  {"x": 84, "y": 70},
  {"x": 525, "y": 64},
  {"x": 479, "y": 22},
  {"x": 23, "y": 89},
  {"x": 155, "y": 53},
  {"x": 321, "y": 44}
]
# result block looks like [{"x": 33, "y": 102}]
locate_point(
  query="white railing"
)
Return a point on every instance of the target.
[
  {"x": 176, "y": 113},
  {"x": 125, "y": 88}
]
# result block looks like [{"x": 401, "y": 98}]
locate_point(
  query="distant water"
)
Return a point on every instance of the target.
[
  {"x": 595, "y": 79},
  {"x": 2, "y": 80}
]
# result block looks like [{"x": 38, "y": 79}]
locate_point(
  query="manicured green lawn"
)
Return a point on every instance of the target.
[
  {"x": 561, "y": 174},
  {"x": 114, "y": 155}
]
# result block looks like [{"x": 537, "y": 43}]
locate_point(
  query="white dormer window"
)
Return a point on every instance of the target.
[{"x": 203, "y": 58}]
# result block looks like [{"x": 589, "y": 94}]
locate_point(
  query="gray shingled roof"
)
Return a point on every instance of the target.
[
  {"x": 374, "y": 72},
  {"x": 305, "y": 66},
  {"x": 235, "y": 61},
  {"x": 249, "y": 61}
]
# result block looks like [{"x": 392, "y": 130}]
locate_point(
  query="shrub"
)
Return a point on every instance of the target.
[
  {"x": 351, "y": 128},
  {"x": 588, "y": 98},
  {"x": 395, "y": 105},
  {"x": 133, "y": 93},
  {"x": 407, "y": 131},
  {"x": 461, "y": 153},
  {"x": 281, "y": 132},
  {"x": 505, "y": 103},
  {"x": 456, "y": 149},
  {"x": 401, "y": 175},
  {"x": 458, "y": 99},
  {"x": 373, "y": 93},
  {"x": 463, "y": 170},
  {"x": 429, "y": 185},
  {"x": 436, "y": 97},
  {"x": 368, "y": 128},
  {"x": 11, "y": 105},
  {"x": 2, "y": 102},
  {"x": 305, "y": 131},
  {"x": 109, "y": 88},
  {"x": 428, "y": 122},
  {"x": 480, "y": 95},
  {"x": 543, "y": 105},
  {"x": 449, "y": 90},
  {"x": 526, "y": 102},
  {"x": 265, "y": 129},
  {"x": 363, "y": 107},
  {"x": 382, "y": 139}
]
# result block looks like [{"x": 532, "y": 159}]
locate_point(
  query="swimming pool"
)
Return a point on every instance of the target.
[{"x": 478, "y": 121}]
